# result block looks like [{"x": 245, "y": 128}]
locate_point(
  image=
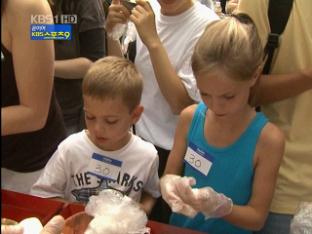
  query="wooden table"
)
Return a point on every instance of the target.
[{"x": 18, "y": 206}]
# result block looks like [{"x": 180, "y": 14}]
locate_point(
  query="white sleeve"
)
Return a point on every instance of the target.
[
  {"x": 186, "y": 73},
  {"x": 152, "y": 184},
  {"x": 189, "y": 81},
  {"x": 52, "y": 181}
]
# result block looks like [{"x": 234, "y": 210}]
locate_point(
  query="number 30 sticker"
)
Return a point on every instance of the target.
[{"x": 198, "y": 159}]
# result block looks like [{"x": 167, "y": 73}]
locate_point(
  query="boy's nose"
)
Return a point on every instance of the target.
[{"x": 99, "y": 127}]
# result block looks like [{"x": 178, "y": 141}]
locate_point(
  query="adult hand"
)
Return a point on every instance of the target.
[
  {"x": 54, "y": 226},
  {"x": 117, "y": 14},
  {"x": 12, "y": 229},
  {"x": 144, "y": 19}
]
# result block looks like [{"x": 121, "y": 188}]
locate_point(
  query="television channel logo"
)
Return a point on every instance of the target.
[{"x": 51, "y": 32}]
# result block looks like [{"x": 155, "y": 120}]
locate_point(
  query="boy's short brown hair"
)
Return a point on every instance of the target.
[{"x": 113, "y": 77}]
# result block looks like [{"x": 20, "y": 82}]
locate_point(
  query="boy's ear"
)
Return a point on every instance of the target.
[{"x": 136, "y": 113}]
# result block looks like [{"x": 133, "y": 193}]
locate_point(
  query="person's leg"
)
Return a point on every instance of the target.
[
  {"x": 18, "y": 181},
  {"x": 276, "y": 224},
  {"x": 161, "y": 211}
]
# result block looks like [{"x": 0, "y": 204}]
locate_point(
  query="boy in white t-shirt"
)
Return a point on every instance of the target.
[{"x": 106, "y": 155}]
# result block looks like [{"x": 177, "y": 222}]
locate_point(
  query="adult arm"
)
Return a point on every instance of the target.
[
  {"x": 92, "y": 47},
  {"x": 33, "y": 67},
  {"x": 117, "y": 14},
  {"x": 167, "y": 78},
  {"x": 72, "y": 68},
  {"x": 276, "y": 87}
]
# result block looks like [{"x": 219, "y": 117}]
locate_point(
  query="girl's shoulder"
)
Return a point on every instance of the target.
[
  {"x": 187, "y": 113},
  {"x": 271, "y": 134},
  {"x": 271, "y": 142}
]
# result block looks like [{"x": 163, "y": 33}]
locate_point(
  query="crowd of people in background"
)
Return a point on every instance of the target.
[{"x": 178, "y": 124}]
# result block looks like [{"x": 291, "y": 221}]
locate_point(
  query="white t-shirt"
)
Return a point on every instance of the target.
[
  {"x": 179, "y": 35},
  {"x": 68, "y": 172}
]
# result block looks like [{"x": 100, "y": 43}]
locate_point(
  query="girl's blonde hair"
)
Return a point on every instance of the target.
[
  {"x": 113, "y": 77},
  {"x": 231, "y": 44}
]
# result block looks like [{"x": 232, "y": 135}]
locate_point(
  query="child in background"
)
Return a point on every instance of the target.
[
  {"x": 106, "y": 155},
  {"x": 231, "y": 150}
]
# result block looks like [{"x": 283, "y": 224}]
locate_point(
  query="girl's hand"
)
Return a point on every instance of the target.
[
  {"x": 171, "y": 187},
  {"x": 211, "y": 203}
]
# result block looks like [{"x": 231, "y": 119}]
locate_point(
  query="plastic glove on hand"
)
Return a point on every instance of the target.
[
  {"x": 205, "y": 200},
  {"x": 211, "y": 203},
  {"x": 169, "y": 186}
]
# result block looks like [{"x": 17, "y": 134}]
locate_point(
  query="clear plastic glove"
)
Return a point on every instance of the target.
[
  {"x": 182, "y": 198},
  {"x": 211, "y": 203},
  {"x": 170, "y": 186}
]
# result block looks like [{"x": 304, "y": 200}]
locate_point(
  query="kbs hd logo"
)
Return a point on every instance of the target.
[
  {"x": 57, "y": 19},
  {"x": 42, "y": 27}
]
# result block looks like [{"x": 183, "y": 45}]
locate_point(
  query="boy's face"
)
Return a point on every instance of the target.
[
  {"x": 108, "y": 122},
  {"x": 223, "y": 95},
  {"x": 174, "y": 7}
]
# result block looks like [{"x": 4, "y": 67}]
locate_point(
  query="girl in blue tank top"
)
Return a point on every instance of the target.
[{"x": 228, "y": 153}]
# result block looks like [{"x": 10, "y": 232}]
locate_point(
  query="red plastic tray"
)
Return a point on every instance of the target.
[
  {"x": 18, "y": 206},
  {"x": 71, "y": 209}
]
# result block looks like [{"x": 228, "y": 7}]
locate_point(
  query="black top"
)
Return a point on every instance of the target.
[
  {"x": 88, "y": 40},
  {"x": 27, "y": 152}
]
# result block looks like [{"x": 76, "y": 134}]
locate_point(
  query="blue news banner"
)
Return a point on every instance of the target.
[{"x": 51, "y": 31}]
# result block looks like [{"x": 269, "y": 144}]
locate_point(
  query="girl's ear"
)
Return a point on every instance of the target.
[{"x": 136, "y": 113}]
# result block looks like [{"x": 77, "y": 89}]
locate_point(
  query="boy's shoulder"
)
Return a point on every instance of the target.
[
  {"x": 142, "y": 146},
  {"x": 73, "y": 139}
]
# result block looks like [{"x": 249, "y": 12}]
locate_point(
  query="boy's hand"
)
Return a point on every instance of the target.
[
  {"x": 143, "y": 17},
  {"x": 117, "y": 14}
]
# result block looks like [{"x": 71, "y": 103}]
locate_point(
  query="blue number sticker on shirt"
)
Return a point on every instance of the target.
[
  {"x": 104, "y": 167},
  {"x": 198, "y": 159}
]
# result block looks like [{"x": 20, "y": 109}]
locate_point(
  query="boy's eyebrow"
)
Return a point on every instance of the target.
[
  {"x": 105, "y": 116},
  {"x": 230, "y": 93}
]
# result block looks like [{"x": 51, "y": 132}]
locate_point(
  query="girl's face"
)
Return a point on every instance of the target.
[
  {"x": 174, "y": 7},
  {"x": 108, "y": 122},
  {"x": 223, "y": 95}
]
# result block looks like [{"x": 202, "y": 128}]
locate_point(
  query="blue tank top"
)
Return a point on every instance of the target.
[{"x": 230, "y": 173}]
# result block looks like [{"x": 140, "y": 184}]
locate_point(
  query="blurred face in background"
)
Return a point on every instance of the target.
[{"x": 174, "y": 7}]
